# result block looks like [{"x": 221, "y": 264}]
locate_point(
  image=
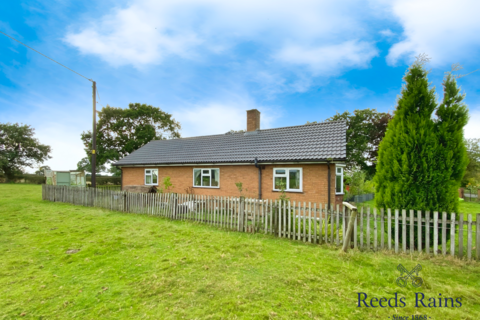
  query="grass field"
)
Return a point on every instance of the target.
[{"x": 142, "y": 267}]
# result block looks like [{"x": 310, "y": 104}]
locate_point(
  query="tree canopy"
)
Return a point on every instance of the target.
[
  {"x": 122, "y": 131},
  {"x": 19, "y": 149},
  {"x": 41, "y": 170},
  {"x": 422, "y": 159},
  {"x": 85, "y": 164},
  {"x": 472, "y": 173},
  {"x": 365, "y": 130}
]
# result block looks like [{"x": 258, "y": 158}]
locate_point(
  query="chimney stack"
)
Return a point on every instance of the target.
[{"x": 253, "y": 120}]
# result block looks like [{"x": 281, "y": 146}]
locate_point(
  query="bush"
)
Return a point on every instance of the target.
[
  {"x": 358, "y": 185},
  {"x": 25, "y": 178}
]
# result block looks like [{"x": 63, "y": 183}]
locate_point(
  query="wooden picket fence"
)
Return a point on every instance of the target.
[{"x": 307, "y": 222}]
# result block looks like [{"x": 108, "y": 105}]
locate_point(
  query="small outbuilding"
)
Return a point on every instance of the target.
[{"x": 73, "y": 178}]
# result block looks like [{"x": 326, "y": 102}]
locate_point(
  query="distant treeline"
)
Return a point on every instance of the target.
[{"x": 37, "y": 179}]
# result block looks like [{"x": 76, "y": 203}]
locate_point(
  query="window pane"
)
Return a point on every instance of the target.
[
  {"x": 294, "y": 182},
  {"x": 215, "y": 177},
  {"x": 279, "y": 182},
  {"x": 339, "y": 170},
  {"x": 338, "y": 184},
  {"x": 206, "y": 172},
  {"x": 279, "y": 171},
  {"x": 206, "y": 181},
  {"x": 148, "y": 179},
  {"x": 154, "y": 176},
  {"x": 147, "y": 171},
  {"x": 197, "y": 177}
]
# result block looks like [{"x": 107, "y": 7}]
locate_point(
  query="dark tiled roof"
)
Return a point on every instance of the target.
[{"x": 310, "y": 142}]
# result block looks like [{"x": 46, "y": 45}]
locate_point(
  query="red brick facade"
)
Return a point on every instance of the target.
[{"x": 315, "y": 178}]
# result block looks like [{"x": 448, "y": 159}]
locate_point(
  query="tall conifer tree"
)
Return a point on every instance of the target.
[
  {"x": 422, "y": 159},
  {"x": 406, "y": 157},
  {"x": 452, "y": 116}
]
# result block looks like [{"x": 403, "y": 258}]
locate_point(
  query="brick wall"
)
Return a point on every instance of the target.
[{"x": 314, "y": 181}]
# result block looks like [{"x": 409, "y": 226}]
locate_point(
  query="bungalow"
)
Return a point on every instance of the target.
[{"x": 308, "y": 160}]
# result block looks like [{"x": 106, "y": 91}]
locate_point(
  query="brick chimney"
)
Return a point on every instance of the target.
[{"x": 253, "y": 120}]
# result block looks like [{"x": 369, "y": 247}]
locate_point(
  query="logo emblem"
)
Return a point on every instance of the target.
[{"x": 405, "y": 275}]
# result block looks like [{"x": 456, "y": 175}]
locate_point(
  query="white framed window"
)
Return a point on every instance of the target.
[
  {"x": 290, "y": 178},
  {"x": 151, "y": 177},
  {"x": 338, "y": 180},
  {"x": 206, "y": 178}
]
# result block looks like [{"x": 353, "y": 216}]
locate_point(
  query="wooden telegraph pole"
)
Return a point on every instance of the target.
[
  {"x": 94, "y": 86},
  {"x": 94, "y": 136}
]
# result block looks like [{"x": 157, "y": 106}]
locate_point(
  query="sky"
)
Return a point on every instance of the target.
[{"x": 208, "y": 61}]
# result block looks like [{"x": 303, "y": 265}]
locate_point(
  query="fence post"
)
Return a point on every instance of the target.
[
  {"x": 174, "y": 205},
  {"x": 477, "y": 232},
  {"x": 241, "y": 214},
  {"x": 346, "y": 239},
  {"x": 460, "y": 235},
  {"x": 92, "y": 198},
  {"x": 469, "y": 237}
]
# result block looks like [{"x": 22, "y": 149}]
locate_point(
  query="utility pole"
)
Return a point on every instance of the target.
[
  {"x": 94, "y": 136},
  {"x": 94, "y": 87}
]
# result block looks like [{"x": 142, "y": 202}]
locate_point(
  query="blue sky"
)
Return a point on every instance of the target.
[{"x": 208, "y": 61}]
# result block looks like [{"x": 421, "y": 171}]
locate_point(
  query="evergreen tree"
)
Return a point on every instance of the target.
[
  {"x": 422, "y": 160},
  {"x": 406, "y": 158},
  {"x": 452, "y": 117}
]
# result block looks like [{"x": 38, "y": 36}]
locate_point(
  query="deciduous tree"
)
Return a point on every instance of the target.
[
  {"x": 365, "y": 130},
  {"x": 41, "y": 170},
  {"x": 85, "y": 164},
  {"x": 19, "y": 149},
  {"x": 122, "y": 131},
  {"x": 472, "y": 173}
]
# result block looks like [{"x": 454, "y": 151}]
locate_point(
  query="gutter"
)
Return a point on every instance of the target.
[
  {"x": 340, "y": 161},
  {"x": 259, "y": 178}
]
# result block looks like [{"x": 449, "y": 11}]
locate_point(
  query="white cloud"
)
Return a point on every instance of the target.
[
  {"x": 148, "y": 31},
  {"x": 58, "y": 123},
  {"x": 330, "y": 59},
  {"x": 133, "y": 36},
  {"x": 472, "y": 129},
  {"x": 219, "y": 117},
  {"x": 445, "y": 30},
  {"x": 67, "y": 148},
  {"x": 387, "y": 33}
]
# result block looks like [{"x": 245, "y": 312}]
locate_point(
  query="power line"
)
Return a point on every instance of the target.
[
  {"x": 45, "y": 56},
  {"x": 98, "y": 94},
  {"x": 94, "y": 96}
]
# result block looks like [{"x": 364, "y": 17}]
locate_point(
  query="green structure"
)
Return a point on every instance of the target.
[{"x": 66, "y": 178}]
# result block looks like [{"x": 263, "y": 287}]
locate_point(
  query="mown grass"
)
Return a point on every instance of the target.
[{"x": 135, "y": 266}]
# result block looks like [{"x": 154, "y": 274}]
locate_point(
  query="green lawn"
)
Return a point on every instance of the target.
[{"x": 139, "y": 267}]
